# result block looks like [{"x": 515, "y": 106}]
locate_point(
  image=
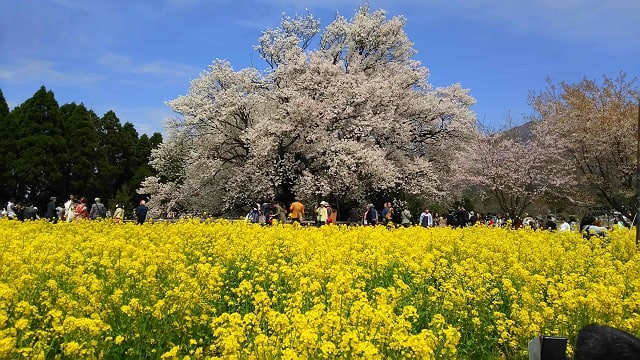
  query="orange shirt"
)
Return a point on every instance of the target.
[
  {"x": 297, "y": 210},
  {"x": 334, "y": 216}
]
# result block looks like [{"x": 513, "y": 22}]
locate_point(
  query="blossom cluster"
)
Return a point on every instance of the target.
[{"x": 219, "y": 289}]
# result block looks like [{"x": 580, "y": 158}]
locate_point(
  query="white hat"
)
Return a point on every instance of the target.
[{"x": 324, "y": 203}]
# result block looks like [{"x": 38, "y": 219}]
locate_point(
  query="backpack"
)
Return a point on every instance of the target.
[{"x": 102, "y": 210}]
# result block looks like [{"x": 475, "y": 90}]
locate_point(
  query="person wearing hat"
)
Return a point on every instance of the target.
[
  {"x": 118, "y": 215},
  {"x": 98, "y": 210},
  {"x": 321, "y": 213},
  {"x": 51, "y": 213}
]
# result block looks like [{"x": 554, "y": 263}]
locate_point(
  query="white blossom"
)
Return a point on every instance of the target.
[{"x": 353, "y": 117}]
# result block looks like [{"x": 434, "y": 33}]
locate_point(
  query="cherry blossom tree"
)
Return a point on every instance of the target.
[
  {"x": 354, "y": 117},
  {"x": 596, "y": 125},
  {"x": 514, "y": 170}
]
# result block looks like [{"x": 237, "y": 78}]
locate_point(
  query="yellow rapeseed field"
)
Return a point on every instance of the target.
[{"x": 220, "y": 289}]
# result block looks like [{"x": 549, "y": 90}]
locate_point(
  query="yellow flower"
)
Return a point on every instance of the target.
[
  {"x": 171, "y": 353},
  {"x": 21, "y": 324},
  {"x": 228, "y": 289},
  {"x": 71, "y": 348}
]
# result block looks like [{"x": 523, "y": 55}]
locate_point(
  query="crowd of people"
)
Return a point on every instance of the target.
[
  {"x": 395, "y": 213},
  {"x": 76, "y": 208},
  {"x": 398, "y": 214},
  {"x": 324, "y": 213}
]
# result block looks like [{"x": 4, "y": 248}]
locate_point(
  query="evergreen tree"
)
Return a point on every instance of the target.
[
  {"x": 129, "y": 141},
  {"x": 4, "y": 107},
  {"x": 8, "y": 151},
  {"x": 49, "y": 150},
  {"x": 41, "y": 146},
  {"x": 127, "y": 157},
  {"x": 143, "y": 169},
  {"x": 79, "y": 166},
  {"x": 109, "y": 132}
]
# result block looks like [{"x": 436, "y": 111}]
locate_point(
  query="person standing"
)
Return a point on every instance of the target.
[
  {"x": 81, "y": 211},
  {"x": 20, "y": 211},
  {"x": 30, "y": 212},
  {"x": 98, "y": 211},
  {"x": 461, "y": 217},
  {"x": 384, "y": 214},
  {"x": 254, "y": 214},
  {"x": 70, "y": 208},
  {"x": 51, "y": 213},
  {"x": 11, "y": 209},
  {"x": 60, "y": 211},
  {"x": 332, "y": 214},
  {"x": 265, "y": 216},
  {"x": 297, "y": 211},
  {"x": 141, "y": 212},
  {"x": 371, "y": 216},
  {"x": 389, "y": 216},
  {"x": 406, "y": 217},
  {"x": 118, "y": 214},
  {"x": 426, "y": 219},
  {"x": 322, "y": 214},
  {"x": 279, "y": 214}
]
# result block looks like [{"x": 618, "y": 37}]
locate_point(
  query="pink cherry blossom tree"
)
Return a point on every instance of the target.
[
  {"x": 596, "y": 126},
  {"x": 354, "y": 116},
  {"x": 514, "y": 170}
]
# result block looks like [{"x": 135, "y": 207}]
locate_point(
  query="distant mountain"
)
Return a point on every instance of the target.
[{"x": 521, "y": 133}]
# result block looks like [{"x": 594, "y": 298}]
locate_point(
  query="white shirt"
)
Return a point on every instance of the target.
[
  {"x": 69, "y": 214},
  {"x": 11, "y": 210}
]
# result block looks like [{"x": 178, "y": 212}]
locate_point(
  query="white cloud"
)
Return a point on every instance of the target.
[
  {"x": 45, "y": 72},
  {"x": 612, "y": 24},
  {"x": 159, "y": 68},
  {"x": 609, "y": 23},
  {"x": 250, "y": 24}
]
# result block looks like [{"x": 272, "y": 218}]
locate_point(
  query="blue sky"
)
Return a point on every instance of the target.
[{"x": 132, "y": 56}]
